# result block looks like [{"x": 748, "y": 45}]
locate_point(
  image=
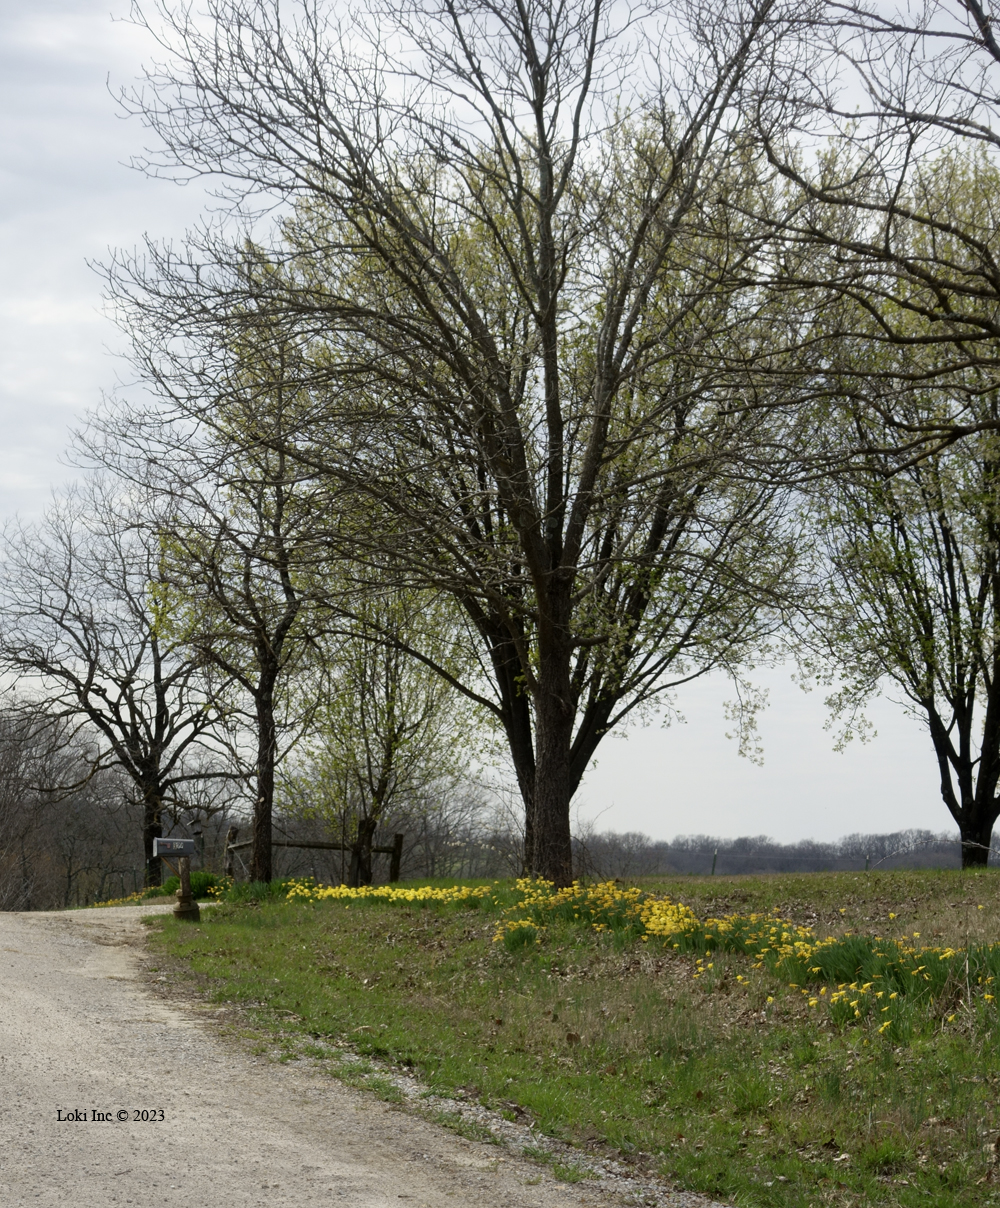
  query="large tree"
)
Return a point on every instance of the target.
[
  {"x": 530, "y": 317},
  {"x": 895, "y": 261},
  {"x": 912, "y": 598}
]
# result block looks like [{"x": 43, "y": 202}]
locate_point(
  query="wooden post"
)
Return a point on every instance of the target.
[
  {"x": 396, "y": 858},
  {"x": 231, "y": 836},
  {"x": 187, "y": 907}
]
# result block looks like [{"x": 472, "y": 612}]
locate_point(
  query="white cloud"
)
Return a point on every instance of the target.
[{"x": 66, "y": 196}]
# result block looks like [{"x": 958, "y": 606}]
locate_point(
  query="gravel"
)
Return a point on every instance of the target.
[{"x": 80, "y": 1034}]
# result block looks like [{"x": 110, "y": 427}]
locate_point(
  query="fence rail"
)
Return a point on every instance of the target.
[{"x": 395, "y": 851}]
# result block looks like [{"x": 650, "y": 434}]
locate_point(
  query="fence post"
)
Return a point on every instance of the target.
[
  {"x": 397, "y": 857},
  {"x": 715, "y": 856},
  {"x": 230, "y": 840}
]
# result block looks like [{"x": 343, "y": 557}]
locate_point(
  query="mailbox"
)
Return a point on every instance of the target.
[{"x": 173, "y": 847}]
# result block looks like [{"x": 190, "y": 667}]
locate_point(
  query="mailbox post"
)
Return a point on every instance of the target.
[
  {"x": 187, "y": 907},
  {"x": 182, "y": 850}
]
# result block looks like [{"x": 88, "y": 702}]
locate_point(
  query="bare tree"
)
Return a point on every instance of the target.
[
  {"x": 529, "y": 320},
  {"x": 85, "y": 626},
  {"x": 33, "y": 762},
  {"x": 235, "y": 569}
]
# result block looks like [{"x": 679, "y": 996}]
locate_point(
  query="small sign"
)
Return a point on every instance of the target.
[{"x": 173, "y": 847}]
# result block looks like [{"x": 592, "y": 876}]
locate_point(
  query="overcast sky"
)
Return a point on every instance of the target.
[{"x": 66, "y": 197}]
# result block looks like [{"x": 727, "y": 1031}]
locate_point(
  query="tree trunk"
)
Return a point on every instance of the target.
[
  {"x": 152, "y": 828},
  {"x": 551, "y": 848},
  {"x": 517, "y": 717},
  {"x": 260, "y": 853},
  {"x": 361, "y": 853},
  {"x": 976, "y": 836},
  {"x": 970, "y": 801}
]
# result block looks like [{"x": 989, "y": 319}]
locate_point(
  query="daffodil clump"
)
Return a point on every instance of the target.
[
  {"x": 858, "y": 978},
  {"x": 128, "y": 900},
  {"x": 604, "y": 906},
  {"x": 534, "y": 905},
  {"x": 664, "y": 918},
  {"x": 218, "y": 891},
  {"x": 517, "y": 933},
  {"x": 308, "y": 890}
]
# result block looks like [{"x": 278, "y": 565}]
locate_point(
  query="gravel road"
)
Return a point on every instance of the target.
[{"x": 80, "y": 1034}]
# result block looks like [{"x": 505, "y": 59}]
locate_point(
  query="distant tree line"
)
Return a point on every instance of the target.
[{"x": 632, "y": 854}]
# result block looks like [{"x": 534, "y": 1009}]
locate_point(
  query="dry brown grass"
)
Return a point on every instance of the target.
[{"x": 946, "y": 907}]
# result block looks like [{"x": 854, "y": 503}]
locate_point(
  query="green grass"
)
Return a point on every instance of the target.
[
  {"x": 203, "y": 885},
  {"x": 611, "y": 1042}
]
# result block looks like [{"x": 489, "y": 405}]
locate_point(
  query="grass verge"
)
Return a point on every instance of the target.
[{"x": 701, "y": 1063}]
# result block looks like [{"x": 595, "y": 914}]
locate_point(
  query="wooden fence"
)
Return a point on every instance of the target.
[{"x": 395, "y": 851}]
